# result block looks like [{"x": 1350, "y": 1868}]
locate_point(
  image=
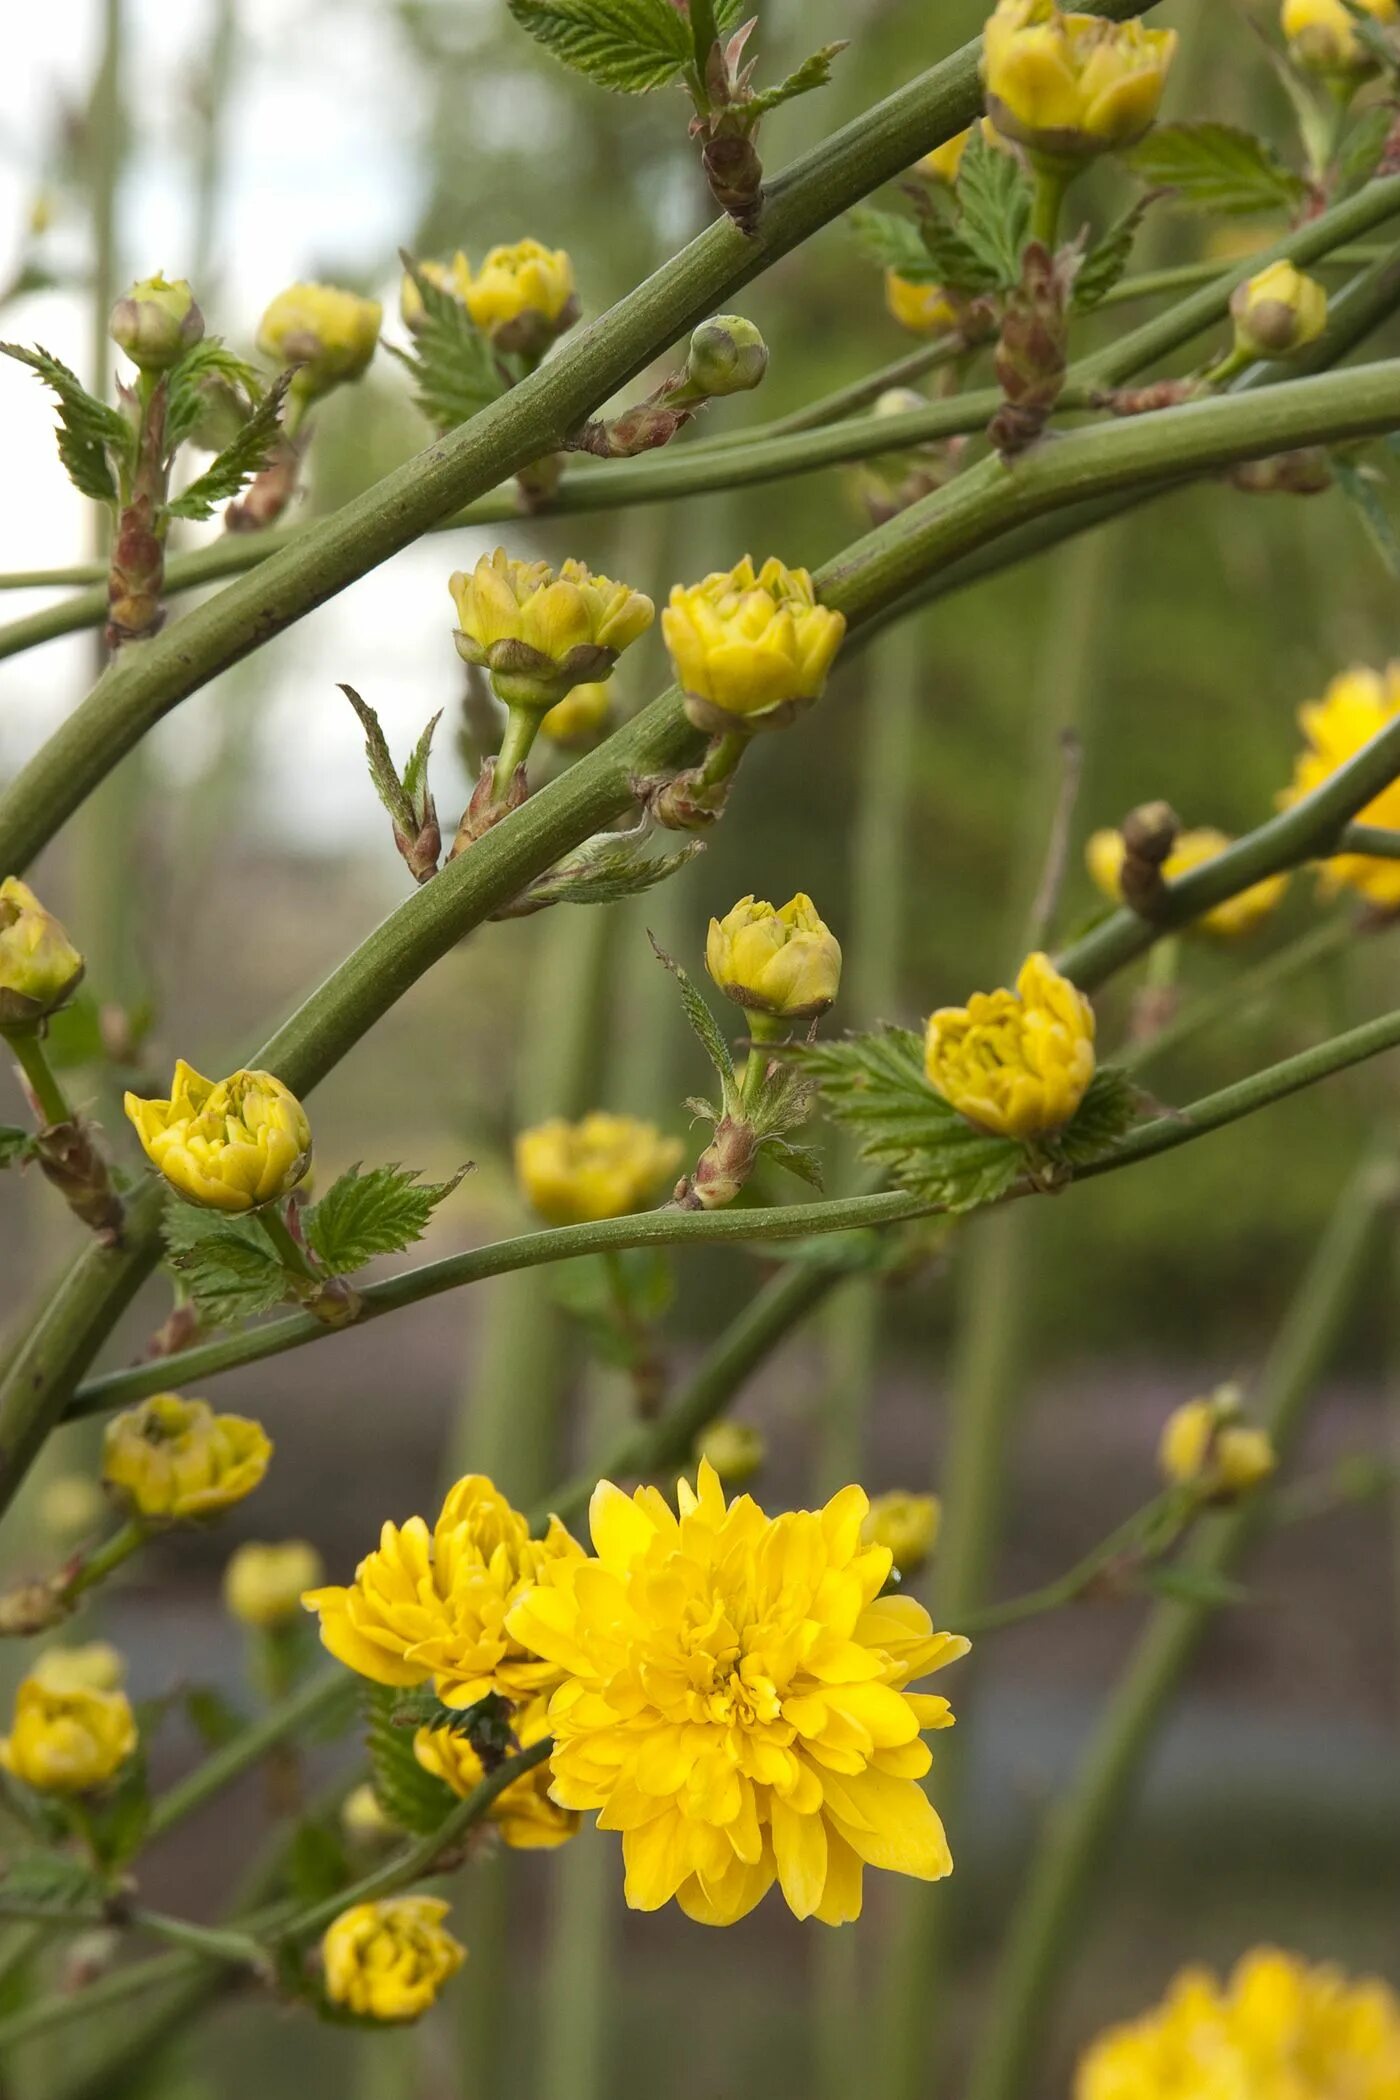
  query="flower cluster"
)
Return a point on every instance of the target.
[
  {"x": 750, "y": 647},
  {"x": 388, "y": 1960},
  {"x": 1016, "y": 1064},
  {"x": 171, "y": 1459},
  {"x": 540, "y": 634},
  {"x": 1356, "y": 706},
  {"x": 604, "y": 1166},
  {"x": 231, "y": 1144},
  {"x": 1071, "y": 85}
]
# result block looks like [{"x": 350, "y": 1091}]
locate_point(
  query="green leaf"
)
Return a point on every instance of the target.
[
  {"x": 1105, "y": 262},
  {"x": 800, "y": 1160},
  {"x": 454, "y": 371},
  {"x": 209, "y": 366},
  {"x": 606, "y": 868},
  {"x": 16, "y": 1145},
  {"x": 994, "y": 207},
  {"x": 381, "y": 1212},
  {"x": 414, "y": 1799},
  {"x": 384, "y": 774},
  {"x": 118, "y": 1820},
  {"x": 1359, "y": 154},
  {"x": 701, "y": 1020},
  {"x": 1108, "y": 1111},
  {"x": 814, "y": 72},
  {"x": 1361, "y": 486},
  {"x": 48, "y": 1881},
  {"x": 92, "y": 437},
  {"x": 225, "y": 1263},
  {"x": 415, "y": 773},
  {"x": 954, "y": 263},
  {"x": 894, "y": 242},
  {"x": 1216, "y": 167},
  {"x": 234, "y": 467},
  {"x": 630, "y": 46}
]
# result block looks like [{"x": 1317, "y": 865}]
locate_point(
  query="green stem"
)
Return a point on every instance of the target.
[
  {"x": 721, "y": 761},
  {"x": 315, "y": 1702},
  {"x": 26, "y": 1045},
  {"x": 105, "y": 1559},
  {"x": 288, "y": 1249},
  {"x": 517, "y": 741},
  {"x": 210, "y": 1941},
  {"x": 1052, "y": 179}
]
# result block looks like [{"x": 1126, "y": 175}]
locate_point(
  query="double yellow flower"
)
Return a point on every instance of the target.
[
  {"x": 1071, "y": 85},
  {"x": 750, "y": 647}
]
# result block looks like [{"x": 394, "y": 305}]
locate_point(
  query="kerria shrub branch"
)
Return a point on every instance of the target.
[{"x": 1178, "y": 442}]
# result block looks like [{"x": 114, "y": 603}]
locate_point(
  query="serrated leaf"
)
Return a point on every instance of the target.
[
  {"x": 701, "y": 1020},
  {"x": 188, "y": 384},
  {"x": 90, "y": 434},
  {"x": 1108, "y": 1111},
  {"x": 48, "y": 1881},
  {"x": 605, "y": 869},
  {"x": 1362, "y": 491},
  {"x": 384, "y": 774},
  {"x": 455, "y": 374},
  {"x": 895, "y": 243},
  {"x": 414, "y": 1799},
  {"x": 954, "y": 263},
  {"x": 800, "y": 1160},
  {"x": 994, "y": 207},
  {"x": 630, "y": 46},
  {"x": 1216, "y": 167},
  {"x": 415, "y": 773},
  {"x": 245, "y": 456},
  {"x": 1105, "y": 262},
  {"x": 381, "y": 1212},
  {"x": 225, "y": 1263},
  {"x": 814, "y": 72},
  {"x": 1359, "y": 154}
]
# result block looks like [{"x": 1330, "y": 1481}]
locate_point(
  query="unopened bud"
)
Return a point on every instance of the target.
[
  {"x": 727, "y": 356},
  {"x": 156, "y": 322},
  {"x": 736, "y": 1450},
  {"x": 1209, "y": 1444},
  {"x": 1278, "y": 312},
  {"x": 1150, "y": 831}
]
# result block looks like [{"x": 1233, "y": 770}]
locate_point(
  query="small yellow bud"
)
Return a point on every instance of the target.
[
  {"x": 784, "y": 962},
  {"x": 1072, "y": 85},
  {"x": 1278, "y": 312},
  {"x": 263, "y": 1584},
  {"x": 1232, "y": 920},
  {"x": 523, "y": 296},
  {"x": 907, "y": 1524},
  {"x": 925, "y": 309},
  {"x": 582, "y": 714},
  {"x": 233, "y": 1144},
  {"x": 363, "y": 1820},
  {"x": 388, "y": 1960},
  {"x": 93, "y": 1666},
  {"x": 326, "y": 335},
  {"x": 727, "y": 356},
  {"x": 1322, "y": 36},
  {"x": 39, "y": 966},
  {"x": 523, "y": 1814},
  {"x": 540, "y": 634},
  {"x": 1015, "y": 1064},
  {"x": 603, "y": 1167},
  {"x": 1356, "y": 706},
  {"x": 750, "y": 650},
  {"x": 67, "y": 1741},
  {"x": 70, "y": 1505},
  {"x": 156, "y": 322},
  {"x": 736, "y": 1450},
  {"x": 1207, "y": 1444},
  {"x": 452, "y": 278},
  {"x": 171, "y": 1458}
]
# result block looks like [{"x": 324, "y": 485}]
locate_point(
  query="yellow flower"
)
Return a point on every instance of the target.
[
  {"x": 1016, "y": 1064},
  {"x": 389, "y": 1960},
  {"x": 1277, "y": 2030},
  {"x": 171, "y": 1458},
  {"x": 233, "y": 1144},
  {"x": 363, "y": 1820},
  {"x": 750, "y": 649},
  {"x": 1356, "y": 706},
  {"x": 907, "y": 1524},
  {"x": 735, "y": 1701},
  {"x": 523, "y": 295},
  {"x": 1069, "y": 85},
  {"x": 736, "y": 1450},
  {"x": 39, "y": 966},
  {"x": 433, "y": 1604},
  {"x": 67, "y": 1739},
  {"x": 540, "y": 634},
  {"x": 327, "y": 335},
  {"x": 926, "y": 309},
  {"x": 783, "y": 962},
  {"x": 523, "y": 1812},
  {"x": 1278, "y": 311},
  {"x": 452, "y": 278},
  {"x": 156, "y": 322},
  {"x": 1228, "y": 921},
  {"x": 1322, "y": 35},
  {"x": 1207, "y": 1444},
  {"x": 602, "y": 1167},
  {"x": 581, "y": 715},
  {"x": 93, "y": 1666},
  {"x": 263, "y": 1585}
]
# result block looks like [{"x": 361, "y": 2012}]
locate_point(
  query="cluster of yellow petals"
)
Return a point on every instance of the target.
[
  {"x": 748, "y": 645},
  {"x": 68, "y": 1736},
  {"x": 735, "y": 1701},
  {"x": 1322, "y": 35},
  {"x": 924, "y": 309},
  {"x": 1208, "y": 1444},
  {"x": 231, "y": 1144},
  {"x": 785, "y": 962},
  {"x": 388, "y": 1960},
  {"x": 1277, "y": 2030},
  {"x": 1070, "y": 85},
  {"x": 521, "y": 278},
  {"x": 523, "y": 1813},
  {"x": 327, "y": 335},
  {"x": 1236, "y": 917},
  {"x": 39, "y": 966},
  {"x": 603, "y": 1166},
  {"x": 171, "y": 1459},
  {"x": 433, "y": 1604},
  {"x": 1356, "y": 706},
  {"x": 1015, "y": 1064},
  {"x": 540, "y": 633}
]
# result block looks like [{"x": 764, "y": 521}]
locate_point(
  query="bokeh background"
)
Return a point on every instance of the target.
[{"x": 231, "y": 863}]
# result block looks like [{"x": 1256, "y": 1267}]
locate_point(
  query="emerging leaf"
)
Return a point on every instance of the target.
[
  {"x": 702, "y": 1021},
  {"x": 630, "y": 46},
  {"x": 814, "y": 72},
  {"x": 208, "y": 367},
  {"x": 381, "y": 1212},
  {"x": 454, "y": 372},
  {"x": 604, "y": 869},
  {"x": 1105, "y": 262},
  {"x": 16, "y": 1145},
  {"x": 93, "y": 439},
  {"x": 895, "y": 243},
  {"x": 994, "y": 207},
  {"x": 1215, "y": 167},
  {"x": 1360, "y": 152},
  {"x": 234, "y": 467}
]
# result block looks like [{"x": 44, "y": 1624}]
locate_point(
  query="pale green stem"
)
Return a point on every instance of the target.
[
  {"x": 517, "y": 742},
  {"x": 1051, "y": 180},
  {"x": 27, "y": 1048},
  {"x": 105, "y": 1559}
]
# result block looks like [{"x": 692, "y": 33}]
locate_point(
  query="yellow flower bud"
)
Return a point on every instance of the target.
[
  {"x": 39, "y": 966},
  {"x": 907, "y": 1525},
  {"x": 581, "y": 716},
  {"x": 727, "y": 356},
  {"x": 1322, "y": 35},
  {"x": 327, "y": 335},
  {"x": 452, "y": 278},
  {"x": 522, "y": 296},
  {"x": 93, "y": 1666},
  {"x": 171, "y": 1458},
  {"x": 156, "y": 322},
  {"x": 233, "y": 1144},
  {"x": 388, "y": 1960},
  {"x": 602, "y": 1167},
  {"x": 523, "y": 1813},
  {"x": 1072, "y": 85},
  {"x": 750, "y": 650},
  {"x": 1278, "y": 311},
  {"x": 363, "y": 1820},
  {"x": 1356, "y": 706},
  {"x": 67, "y": 1741},
  {"x": 784, "y": 962},
  {"x": 540, "y": 634},
  {"x": 1207, "y": 1444},
  {"x": 1015, "y": 1064},
  {"x": 69, "y": 1505},
  {"x": 926, "y": 309},
  {"x": 263, "y": 1584},
  {"x": 736, "y": 1450},
  {"x": 1232, "y": 920}
]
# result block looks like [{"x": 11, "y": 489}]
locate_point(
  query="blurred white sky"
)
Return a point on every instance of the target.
[{"x": 323, "y": 114}]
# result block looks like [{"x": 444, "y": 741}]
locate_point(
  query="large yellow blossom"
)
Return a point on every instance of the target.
[
  {"x": 434, "y": 1603},
  {"x": 171, "y": 1458},
  {"x": 540, "y": 634},
  {"x": 1278, "y": 2030},
  {"x": 1322, "y": 34},
  {"x": 1069, "y": 85},
  {"x": 523, "y": 1812},
  {"x": 39, "y": 966},
  {"x": 785, "y": 962},
  {"x": 388, "y": 1960},
  {"x": 735, "y": 1701},
  {"x": 67, "y": 1738},
  {"x": 601, "y": 1167},
  {"x": 1231, "y": 920},
  {"x": 1356, "y": 706},
  {"x": 750, "y": 648},
  {"x": 1017, "y": 1064},
  {"x": 233, "y": 1144}
]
